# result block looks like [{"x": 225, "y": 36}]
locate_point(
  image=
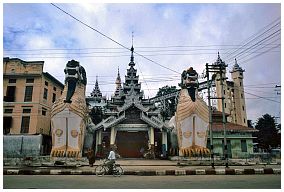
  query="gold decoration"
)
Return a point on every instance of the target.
[
  {"x": 187, "y": 134},
  {"x": 201, "y": 134},
  {"x": 193, "y": 150},
  {"x": 74, "y": 133},
  {"x": 58, "y": 132}
]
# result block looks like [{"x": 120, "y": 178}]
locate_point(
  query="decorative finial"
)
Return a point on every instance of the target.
[
  {"x": 236, "y": 67},
  {"x": 132, "y": 37},
  {"x": 132, "y": 50},
  {"x": 118, "y": 80}
]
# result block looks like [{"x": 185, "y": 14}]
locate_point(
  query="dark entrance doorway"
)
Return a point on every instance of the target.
[{"x": 129, "y": 144}]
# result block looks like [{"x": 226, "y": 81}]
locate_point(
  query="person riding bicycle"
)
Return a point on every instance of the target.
[{"x": 111, "y": 160}]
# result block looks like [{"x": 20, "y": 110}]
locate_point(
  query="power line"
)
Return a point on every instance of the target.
[
  {"x": 254, "y": 44},
  {"x": 110, "y": 48},
  {"x": 252, "y": 36},
  {"x": 258, "y": 49},
  {"x": 143, "y": 77},
  {"x": 260, "y": 54},
  {"x": 111, "y": 38},
  {"x": 79, "y": 54},
  {"x": 69, "y": 55},
  {"x": 262, "y": 97}
]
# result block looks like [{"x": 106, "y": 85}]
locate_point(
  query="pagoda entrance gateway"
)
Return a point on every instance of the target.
[
  {"x": 133, "y": 123},
  {"x": 132, "y": 144}
]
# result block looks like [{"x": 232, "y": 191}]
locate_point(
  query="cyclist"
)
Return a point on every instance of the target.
[{"x": 111, "y": 160}]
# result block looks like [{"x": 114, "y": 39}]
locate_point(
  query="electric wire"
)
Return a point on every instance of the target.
[
  {"x": 253, "y": 37},
  {"x": 112, "y": 39},
  {"x": 236, "y": 55}
]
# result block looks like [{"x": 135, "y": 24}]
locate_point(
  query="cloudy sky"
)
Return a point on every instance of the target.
[{"x": 171, "y": 37}]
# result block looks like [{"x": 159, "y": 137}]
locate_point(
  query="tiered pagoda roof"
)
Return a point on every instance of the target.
[
  {"x": 131, "y": 85},
  {"x": 96, "y": 91},
  {"x": 127, "y": 105}
]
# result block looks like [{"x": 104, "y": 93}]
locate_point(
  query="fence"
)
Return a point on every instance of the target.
[{"x": 22, "y": 145}]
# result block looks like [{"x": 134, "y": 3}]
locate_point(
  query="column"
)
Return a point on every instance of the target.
[
  {"x": 98, "y": 141},
  {"x": 152, "y": 136},
  {"x": 152, "y": 140},
  {"x": 113, "y": 132},
  {"x": 164, "y": 143}
]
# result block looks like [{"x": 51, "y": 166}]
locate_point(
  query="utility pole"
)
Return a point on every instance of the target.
[
  {"x": 278, "y": 92},
  {"x": 217, "y": 68},
  {"x": 223, "y": 114},
  {"x": 66, "y": 123},
  {"x": 210, "y": 117}
]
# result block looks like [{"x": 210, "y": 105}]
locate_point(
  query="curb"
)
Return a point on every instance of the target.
[{"x": 228, "y": 171}]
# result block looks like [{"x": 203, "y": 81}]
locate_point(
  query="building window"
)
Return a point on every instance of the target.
[
  {"x": 7, "y": 124},
  {"x": 28, "y": 94},
  {"x": 43, "y": 112},
  {"x": 30, "y": 80},
  {"x": 25, "y": 124},
  {"x": 240, "y": 84},
  {"x": 45, "y": 92},
  {"x": 46, "y": 83},
  {"x": 244, "y": 120},
  {"x": 243, "y": 108},
  {"x": 224, "y": 92},
  {"x": 242, "y": 96},
  {"x": 27, "y": 110},
  {"x": 244, "y": 145},
  {"x": 10, "y": 94},
  {"x": 8, "y": 110},
  {"x": 54, "y": 88},
  {"x": 225, "y": 105},
  {"x": 53, "y": 97},
  {"x": 12, "y": 80}
]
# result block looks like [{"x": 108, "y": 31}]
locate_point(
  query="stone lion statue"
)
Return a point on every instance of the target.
[
  {"x": 69, "y": 114},
  {"x": 191, "y": 118}
]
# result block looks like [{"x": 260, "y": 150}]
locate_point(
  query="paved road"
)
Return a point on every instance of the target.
[{"x": 142, "y": 182}]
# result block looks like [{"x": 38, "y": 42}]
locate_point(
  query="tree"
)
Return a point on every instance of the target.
[
  {"x": 267, "y": 137},
  {"x": 250, "y": 123},
  {"x": 168, "y": 105}
]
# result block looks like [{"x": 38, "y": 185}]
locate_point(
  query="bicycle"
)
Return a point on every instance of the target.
[{"x": 103, "y": 169}]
